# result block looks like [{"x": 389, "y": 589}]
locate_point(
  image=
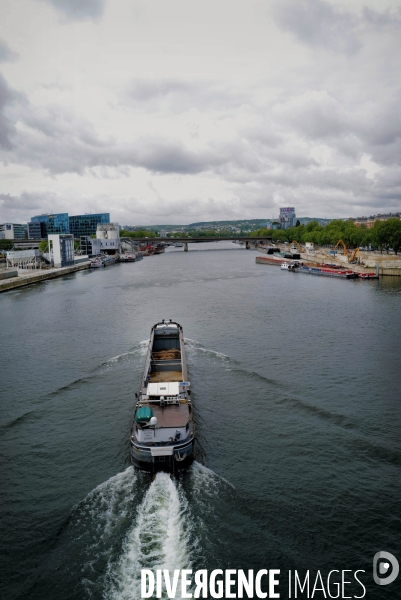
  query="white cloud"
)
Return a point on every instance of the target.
[{"x": 182, "y": 112}]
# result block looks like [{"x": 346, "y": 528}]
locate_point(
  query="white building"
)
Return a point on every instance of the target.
[
  {"x": 61, "y": 249},
  {"x": 23, "y": 259},
  {"x": 109, "y": 236}
]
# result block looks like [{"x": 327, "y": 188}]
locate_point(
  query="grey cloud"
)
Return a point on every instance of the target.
[
  {"x": 380, "y": 20},
  {"x": 55, "y": 122},
  {"x": 79, "y": 9},
  {"x": 264, "y": 136},
  {"x": 380, "y": 125},
  {"x": 296, "y": 160},
  {"x": 173, "y": 158},
  {"x": 319, "y": 24},
  {"x": 275, "y": 160},
  {"x": 17, "y": 206},
  {"x": 21, "y": 208},
  {"x": 7, "y": 201},
  {"x": 7, "y": 127},
  {"x": 59, "y": 142},
  {"x": 147, "y": 89},
  {"x": 316, "y": 115},
  {"x": 6, "y": 54},
  {"x": 181, "y": 95},
  {"x": 372, "y": 128}
]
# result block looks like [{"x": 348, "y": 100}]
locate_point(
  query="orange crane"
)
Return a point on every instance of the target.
[
  {"x": 354, "y": 254},
  {"x": 343, "y": 245},
  {"x": 350, "y": 253},
  {"x": 299, "y": 246}
]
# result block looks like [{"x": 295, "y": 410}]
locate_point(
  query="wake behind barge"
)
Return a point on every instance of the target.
[{"x": 163, "y": 433}]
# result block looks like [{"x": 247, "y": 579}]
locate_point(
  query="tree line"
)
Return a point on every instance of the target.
[
  {"x": 192, "y": 233},
  {"x": 385, "y": 235}
]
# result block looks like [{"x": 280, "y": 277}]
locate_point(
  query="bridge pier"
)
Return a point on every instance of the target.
[
  {"x": 247, "y": 245},
  {"x": 186, "y": 247}
]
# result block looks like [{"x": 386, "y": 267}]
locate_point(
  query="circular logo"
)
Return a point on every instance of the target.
[{"x": 381, "y": 568}]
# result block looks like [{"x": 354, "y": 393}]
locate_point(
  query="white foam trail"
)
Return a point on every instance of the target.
[
  {"x": 140, "y": 349},
  {"x": 193, "y": 344},
  {"x": 115, "y": 359},
  {"x": 160, "y": 539},
  {"x": 207, "y": 477},
  {"x": 143, "y": 346},
  {"x": 110, "y": 502}
]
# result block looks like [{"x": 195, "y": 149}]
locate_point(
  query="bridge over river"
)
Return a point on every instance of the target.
[{"x": 191, "y": 240}]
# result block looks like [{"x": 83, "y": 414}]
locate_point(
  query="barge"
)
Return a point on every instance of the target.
[
  {"x": 163, "y": 432},
  {"x": 326, "y": 272},
  {"x": 126, "y": 257}
]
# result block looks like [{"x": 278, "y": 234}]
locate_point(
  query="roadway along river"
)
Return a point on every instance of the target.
[{"x": 296, "y": 390}]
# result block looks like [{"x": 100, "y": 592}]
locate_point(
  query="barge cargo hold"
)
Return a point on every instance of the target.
[{"x": 163, "y": 432}]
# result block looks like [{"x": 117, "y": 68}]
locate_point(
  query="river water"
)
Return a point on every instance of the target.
[{"x": 296, "y": 391}]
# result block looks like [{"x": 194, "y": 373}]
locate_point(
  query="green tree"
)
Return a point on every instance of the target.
[
  {"x": 139, "y": 233},
  {"x": 6, "y": 244},
  {"x": 393, "y": 229},
  {"x": 279, "y": 235},
  {"x": 43, "y": 246},
  {"x": 263, "y": 232},
  {"x": 296, "y": 233},
  {"x": 389, "y": 234},
  {"x": 312, "y": 225},
  {"x": 379, "y": 237}
]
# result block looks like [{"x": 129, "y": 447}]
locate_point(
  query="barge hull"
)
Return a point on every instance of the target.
[{"x": 180, "y": 459}]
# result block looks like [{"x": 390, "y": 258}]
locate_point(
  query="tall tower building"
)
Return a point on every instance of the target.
[{"x": 287, "y": 217}]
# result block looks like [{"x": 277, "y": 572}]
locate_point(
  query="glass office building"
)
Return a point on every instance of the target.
[
  {"x": 53, "y": 223},
  {"x": 36, "y": 231},
  {"x": 86, "y": 225},
  {"x": 13, "y": 231}
]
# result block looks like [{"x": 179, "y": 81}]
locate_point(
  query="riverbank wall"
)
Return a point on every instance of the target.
[
  {"x": 377, "y": 263},
  {"x": 28, "y": 278}
]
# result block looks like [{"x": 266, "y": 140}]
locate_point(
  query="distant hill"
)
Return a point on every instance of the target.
[
  {"x": 237, "y": 223},
  {"x": 247, "y": 224}
]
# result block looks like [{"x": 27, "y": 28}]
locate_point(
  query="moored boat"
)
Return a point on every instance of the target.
[
  {"x": 368, "y": 276},
  {"x": 127, "y": 257},
  {"x": 163, "y": 432},
  {"x": 109, "y": 259},
  {"x": 273, "y": 259},
  {"x": 147, "y": 250},
  {"x": 326, "y": 272},
  {"x": 288, "y": 266},
  {"x": 96, "y": 262}
]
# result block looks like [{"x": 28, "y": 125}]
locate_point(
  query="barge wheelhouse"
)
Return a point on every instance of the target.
[{"x": 163, "y": 433}]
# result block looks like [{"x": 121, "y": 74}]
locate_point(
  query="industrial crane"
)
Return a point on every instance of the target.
[
  {"x": 299, "y": 246},
  {"x": 354, "y": 254},
  {"x": 343, "y": 245},
  {"x": 350, "y": 253}
]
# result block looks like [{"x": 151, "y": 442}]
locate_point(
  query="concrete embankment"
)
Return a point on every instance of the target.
[{"x": 28, "y": 278}]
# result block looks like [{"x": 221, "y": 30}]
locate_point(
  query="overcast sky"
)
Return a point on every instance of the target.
[{"x": 175, "y": 111}]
